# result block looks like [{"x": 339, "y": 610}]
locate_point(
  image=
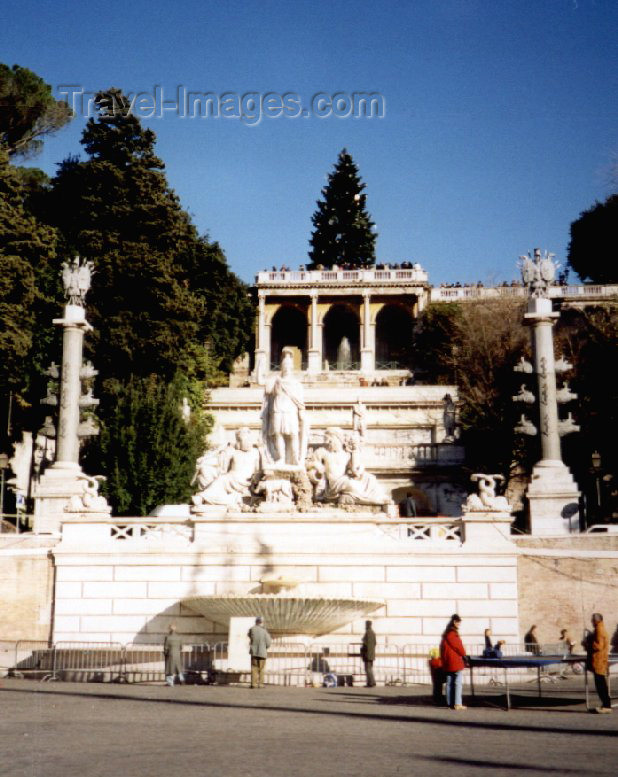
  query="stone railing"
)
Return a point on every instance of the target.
[
  {"x": 426, "y": 530},
  {"x": 423, "y": 454},
  {"x": 315, "y": 277},
  {"x": 473, "y": 293}
]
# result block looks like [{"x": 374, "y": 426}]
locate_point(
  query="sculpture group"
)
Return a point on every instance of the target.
[{"x": 280, "y": 472}]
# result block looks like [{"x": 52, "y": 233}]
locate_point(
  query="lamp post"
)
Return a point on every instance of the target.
[
  {"x": 4, "y": 463},
  {"x": 595, "y": 459}
]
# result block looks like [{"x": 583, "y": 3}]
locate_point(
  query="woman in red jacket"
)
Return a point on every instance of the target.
[{"x": 453, "y": 653}]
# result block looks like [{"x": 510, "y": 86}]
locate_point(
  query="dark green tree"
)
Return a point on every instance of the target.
[
  {"x": 28, "y": 111},
  {"x": 343, "y": 230},
  {"x": 163, "y": 304},
  {"x": 29, "y": 292},
  {"x": 593, "y": 249},
  {"x": 157, "y": 283},
  {"x": 147, "y": 449}
]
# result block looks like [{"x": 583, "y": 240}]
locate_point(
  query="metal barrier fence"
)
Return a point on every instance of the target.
[
  {"x": 32, "y": 658},
  {"x": 89, "y": 661},
  {"x": 289, "y": 663}
]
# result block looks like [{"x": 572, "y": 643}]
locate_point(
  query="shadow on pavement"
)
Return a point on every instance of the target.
[
  {"x": 458, "y": 721},
  {"x": 496, "y": 764}
]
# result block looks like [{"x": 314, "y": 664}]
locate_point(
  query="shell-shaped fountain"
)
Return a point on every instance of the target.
[{"x": 284, "y": 613}]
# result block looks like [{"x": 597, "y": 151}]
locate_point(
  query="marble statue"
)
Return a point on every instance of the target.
[
  {"x": 359, "y": 418},
  {"x": 523, "y": 395},
  {"x": 276, "y": 491},
  {"x": 210, "y": 465},
  {"x": 448, "y": 416},
  {"x": 340, "y": 475},
  {"x": 89, "y": 500},
  {"x": 538, "y": 272},
  {"x": 229, "y": 488},
  {"x": 284, "y": 425},
  {"x": 76, "y": 278},
  {"x": 486, "y": 499}
]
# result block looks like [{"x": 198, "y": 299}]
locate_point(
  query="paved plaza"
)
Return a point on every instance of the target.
[{"x": 109, "y": 730}]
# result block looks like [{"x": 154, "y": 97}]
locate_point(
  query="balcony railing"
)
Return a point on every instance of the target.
[
  {"x": 466, "y": 293},
  {"x": 343, "y": 276}
]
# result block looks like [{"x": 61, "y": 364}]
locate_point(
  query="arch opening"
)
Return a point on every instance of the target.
[
  {"x": 288, "y": 329},
  {"x": 394, "y": 329},
  {"x": 341, "y": 338}
]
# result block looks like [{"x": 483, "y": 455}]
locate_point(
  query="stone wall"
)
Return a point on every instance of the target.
[
  {"x": 563, "y": 580},
  {"x": 132, "y": 586},
  {"x": 26, "y": 588}
]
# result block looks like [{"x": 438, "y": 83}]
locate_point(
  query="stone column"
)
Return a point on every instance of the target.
[
  {"x": 314, "y": 354},
  {"x": 67, "y": 444},
  {"x": 368, "y": 356},
  {"x": 262, "y": 358},
  {"x": 552, "y": 494}
]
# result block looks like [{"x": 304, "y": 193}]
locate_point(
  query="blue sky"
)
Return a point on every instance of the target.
[{"x": 499, "y": 128}]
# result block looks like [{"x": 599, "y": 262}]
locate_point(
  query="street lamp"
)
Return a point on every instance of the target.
[
  {"x": 4, "y": 463},
  {"x": 596, "y": 472}
]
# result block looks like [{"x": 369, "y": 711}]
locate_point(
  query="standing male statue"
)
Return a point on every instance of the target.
[{"x": 284, "y": 427}]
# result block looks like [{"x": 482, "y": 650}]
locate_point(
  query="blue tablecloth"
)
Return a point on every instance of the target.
[{"x": 513, "y": 662}]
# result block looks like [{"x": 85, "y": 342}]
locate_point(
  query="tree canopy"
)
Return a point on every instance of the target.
[
  {"x": 159, "y": 290},
  {"x": 343, "y": 231},
  {"x": 28, "y": 111},
  {"x": 28, "y": 295},
  {"x": 593, "y": 249}
]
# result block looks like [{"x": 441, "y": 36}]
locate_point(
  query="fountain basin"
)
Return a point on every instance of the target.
[{"x": 311, "y": 615}]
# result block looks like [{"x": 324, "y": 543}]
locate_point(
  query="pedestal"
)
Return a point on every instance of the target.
[
  {"x": 314, "y": 362},
  {"x": 367, "y": 361},
  {"x": 487, "y": 528},
  {"x": 51, "y": 495},
  {"x": 553, "y": 500}
]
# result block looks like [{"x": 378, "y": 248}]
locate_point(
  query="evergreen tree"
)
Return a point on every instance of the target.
[
  {"x": 117, "y": 209},
  {"x": 29, "y": 291},
  {"x": 343, "y": 231},
  {"x": 28, "y": 111},
  {"x": 147, "y": 449},
  {"x": 594, "y": 242},
  {"x": 157, "y": 284}
]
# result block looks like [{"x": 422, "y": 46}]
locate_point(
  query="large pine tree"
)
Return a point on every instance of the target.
[
  {"x": 158, "y": 285},
  {"x": 343, "y": 230},
  {"x": 28, "y": 296},
  {"x": 167, "y": 311}
]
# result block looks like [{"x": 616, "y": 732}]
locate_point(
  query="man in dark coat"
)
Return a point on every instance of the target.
[
  {"x": 597, "y": 660},
  {"x": 259, "y": 643},
  {"x": 173, "y": 662},
  {"x": 408, "y": 506},
  {"x": 368, "y": 653}
]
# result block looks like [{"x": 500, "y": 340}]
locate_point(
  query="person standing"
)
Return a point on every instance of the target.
[
  {"x": 260, "y": 641},
  {"x": 408, "y": 506},
  {"x": 567, "y": 642},
  {"x": 453, "y": 654},
  {"x": 173, "y": 662},
  {"x": 597, "y": 660},
  {"x": 531, "y": 642},
  {"x": 368, "y": 653}
]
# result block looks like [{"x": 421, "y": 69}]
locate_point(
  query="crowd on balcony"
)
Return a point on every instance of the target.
[{"x": 349, "y": 266}]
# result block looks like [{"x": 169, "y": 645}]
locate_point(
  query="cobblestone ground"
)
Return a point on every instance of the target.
[{"x": 108, "y": 730}]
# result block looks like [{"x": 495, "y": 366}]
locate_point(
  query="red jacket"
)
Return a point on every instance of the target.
[{"x": 452, "y": 652}]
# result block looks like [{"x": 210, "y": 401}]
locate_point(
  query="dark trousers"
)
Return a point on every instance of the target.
[
  {"x": 437, "y": 682},
  {"x": 257, "y": 671},
  {"x": 600, "y": 683},
  {"x": 371, "y": 681}
]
